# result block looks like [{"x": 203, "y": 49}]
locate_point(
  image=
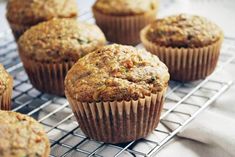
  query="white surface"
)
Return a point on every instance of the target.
[{"x": 212, "y": 134}]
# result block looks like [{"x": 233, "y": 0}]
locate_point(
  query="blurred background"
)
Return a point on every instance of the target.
[{"x": 220, "y": 11}]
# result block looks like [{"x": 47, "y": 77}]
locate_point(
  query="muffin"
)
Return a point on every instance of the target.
[
  {"x": 122, "y": 20},
  {"x": 6, "y": 83},
  {"x": 117, "y": 93},
  {"x": 22, "y": 15},
  {"x": 189, "y": 45},
  {"x": 22, "y": 136},
  {"x": 49, "y": 49}
]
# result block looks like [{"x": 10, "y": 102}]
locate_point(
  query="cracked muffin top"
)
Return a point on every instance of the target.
[
  {"x": 5, "y": 79},
  {"x": 125, "y": 7},
  {"x": 183, "y": 31},
  {"x": 116, "y": 72},
  {"x": 60, "y": 40},
  {"x": 22, "y": 136},
  {"x": 31, "y": 12}
]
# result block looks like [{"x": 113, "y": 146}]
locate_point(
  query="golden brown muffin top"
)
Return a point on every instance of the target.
[
  {"x": 4, "y": 79},
  {"x": 125, "y": 7},
  {"x": 60, "y": 40},
  {"x": 183, "y": 31},
  {"x": 116, "y": 72},
  {"x": 31, "y": 12},
  {"x": 22, "y": 136}
]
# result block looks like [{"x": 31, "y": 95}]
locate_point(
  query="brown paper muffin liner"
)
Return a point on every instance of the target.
[
  {"x": 123, "y": 29},
  {"x": 5, "y": 98},
  {"x": 186, "y": 64},
  {"x": 47, "y": 77},
  {"x": 48, "y": 149},
  {"x": 118, "y": 122},
  {"x": 18, "y": 29}
]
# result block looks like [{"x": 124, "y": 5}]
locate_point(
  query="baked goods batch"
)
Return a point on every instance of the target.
[{"x": 115, "y": 91}]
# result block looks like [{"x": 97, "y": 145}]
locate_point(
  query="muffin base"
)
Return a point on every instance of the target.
[
  {"x": 47, "y": 77},
  {"x": 48, "y": 148},
  {"x": 123, "y": 29},
  {"x": 5, "y": 98},
  {"x": 186, "y": 64},
  {"x": 118, "y": 122}
]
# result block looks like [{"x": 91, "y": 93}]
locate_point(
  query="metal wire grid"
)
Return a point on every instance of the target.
[{"x": 183, "y": 103}]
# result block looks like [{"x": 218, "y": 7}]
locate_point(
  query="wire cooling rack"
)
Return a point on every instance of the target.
[{"x": 183, "y": 103}]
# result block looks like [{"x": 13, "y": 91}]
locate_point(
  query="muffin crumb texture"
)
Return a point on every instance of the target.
[
  {"x": 183, "y": 31},
  {"x": 4, "y": 79},
  {"x": 60, "y": 40},
  {"x": 116, "y": 72},
  {"x": 125, "y": 7},
  {"x": 31, "y": 12},
  {"x": 21, "y": 136}
]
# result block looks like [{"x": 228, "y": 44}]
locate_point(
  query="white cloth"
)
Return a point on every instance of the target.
[{"x": 211, "y": 134}]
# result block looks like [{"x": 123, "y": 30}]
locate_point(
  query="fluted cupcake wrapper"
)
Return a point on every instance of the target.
[
  {"x": 186, "y": 64},
  {"x": 18, "y": 29},
  {"x": 5, "y": 98},
  {"x": 47, "y": 77},
  {"x": 123, "y": 29},
  {"x": 118, "y": 122}
]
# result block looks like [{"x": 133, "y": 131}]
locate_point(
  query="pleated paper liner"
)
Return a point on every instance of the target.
[
  {"x": 18, "y": 29},
  {"x": 5, "y": 98},
  {"x": 123, "y": 29},
  {"x": 118, "y": 122},
  {"x": 47, "y": 77},
  {"x": 186, "y": 64},
  {"x": 47, "y": 149}
]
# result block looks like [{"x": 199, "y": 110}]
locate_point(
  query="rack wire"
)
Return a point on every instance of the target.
[{"x": 183, "y": 103}]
